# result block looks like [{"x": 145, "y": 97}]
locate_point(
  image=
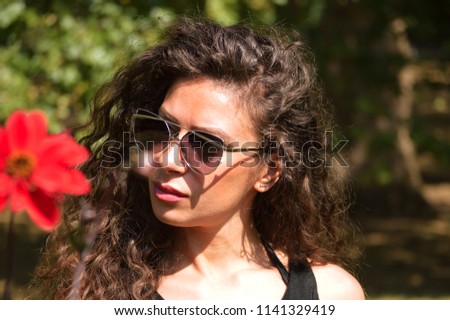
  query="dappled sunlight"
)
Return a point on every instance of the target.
[{"x": 407, "y": 257}]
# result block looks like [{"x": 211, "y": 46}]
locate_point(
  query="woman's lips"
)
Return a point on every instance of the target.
[{"x": 168, "y": 193}]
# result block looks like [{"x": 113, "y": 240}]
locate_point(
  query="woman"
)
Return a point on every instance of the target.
[{"x": 233, "y": 199}]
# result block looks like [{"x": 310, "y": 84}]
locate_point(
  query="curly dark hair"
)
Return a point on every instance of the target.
[{"x": 304, "y": 215}]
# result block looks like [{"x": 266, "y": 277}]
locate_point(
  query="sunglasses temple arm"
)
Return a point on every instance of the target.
[{"x": 244, "y": 149}]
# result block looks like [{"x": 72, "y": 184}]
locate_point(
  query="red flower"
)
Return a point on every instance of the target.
[{"x": 37, "y": 169}]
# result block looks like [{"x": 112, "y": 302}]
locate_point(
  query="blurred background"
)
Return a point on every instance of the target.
[{"x": 385, "y": 66}]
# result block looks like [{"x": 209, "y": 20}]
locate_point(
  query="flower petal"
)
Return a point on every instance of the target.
[
  {"x": 5, "y": 188},
  {"x": 4, "y": 147},
  {"x": 6, "y": 184},
  {"x": 3, "y": 201},
  {"x": 57, "y": 179},
  {"x": 37, "y": 126},
  {"x": 17, "y": 130},
  {"x": 43, "y": 210},
  {"x": 19, "y": 196},
  {"x": 26, "y": 130},
  {"x": 77, "y": 185},
  {"x": 50, "y": 178},
  {"x": 41, "y": 207},
  {"x": 63, "y": 149}
]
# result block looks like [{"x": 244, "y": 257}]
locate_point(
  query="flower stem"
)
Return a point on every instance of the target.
[
  {"x": 9, "y": 258},
  {"x": 90, "y": 227}
]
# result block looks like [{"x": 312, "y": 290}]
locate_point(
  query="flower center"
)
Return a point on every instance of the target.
[{"x": 20, "y": 164}]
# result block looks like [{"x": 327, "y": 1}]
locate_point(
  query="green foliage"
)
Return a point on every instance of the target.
[{"x": 55, "y": 54}]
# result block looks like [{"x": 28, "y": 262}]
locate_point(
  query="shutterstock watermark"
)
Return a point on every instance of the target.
[{"x": 130, "y": 154}]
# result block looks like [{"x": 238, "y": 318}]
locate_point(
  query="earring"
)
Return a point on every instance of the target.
[{"x": 264, "y": 185}]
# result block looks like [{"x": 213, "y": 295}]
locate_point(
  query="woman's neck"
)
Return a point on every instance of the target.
[{"x": 228, "y": 247}]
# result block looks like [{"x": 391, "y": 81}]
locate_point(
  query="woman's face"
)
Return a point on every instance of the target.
[{"x": 182, "y": 197}]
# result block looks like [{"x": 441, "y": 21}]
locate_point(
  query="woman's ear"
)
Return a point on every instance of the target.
[{"x": 269, "y": 175}]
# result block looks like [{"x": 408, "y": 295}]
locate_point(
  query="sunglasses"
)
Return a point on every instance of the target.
[{"x": 201, "y": 151}]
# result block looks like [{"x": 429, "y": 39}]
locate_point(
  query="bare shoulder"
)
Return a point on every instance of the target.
[{"x": 335, "y": 283}]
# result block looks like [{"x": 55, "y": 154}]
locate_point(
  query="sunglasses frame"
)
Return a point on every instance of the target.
[{"x": 174, "y": 137}]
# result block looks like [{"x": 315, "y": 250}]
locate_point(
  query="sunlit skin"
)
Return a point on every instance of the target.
[{"x": 224, "y": 258}]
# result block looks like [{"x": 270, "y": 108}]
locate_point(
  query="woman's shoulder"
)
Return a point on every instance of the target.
[{"x": 335, "y": 283}]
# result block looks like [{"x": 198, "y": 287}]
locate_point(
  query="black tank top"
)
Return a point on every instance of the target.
[{"x": 300, "y": 281}]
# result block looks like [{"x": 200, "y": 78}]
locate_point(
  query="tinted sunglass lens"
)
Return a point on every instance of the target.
[
  {"x": 150, "y": 134},
  {"x": 202, "y": 154}
]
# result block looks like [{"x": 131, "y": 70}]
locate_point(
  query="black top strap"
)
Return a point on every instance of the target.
[
  {"x": 277, "y": 263},
  {"x": 157, "y": 296},
  {"x": 300, "y": 281}
]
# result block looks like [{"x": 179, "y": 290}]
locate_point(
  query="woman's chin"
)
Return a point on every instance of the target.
[{"x": 174, "y": 219}]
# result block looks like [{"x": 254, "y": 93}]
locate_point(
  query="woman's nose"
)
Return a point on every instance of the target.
[{"x": 170, "y": 158}]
